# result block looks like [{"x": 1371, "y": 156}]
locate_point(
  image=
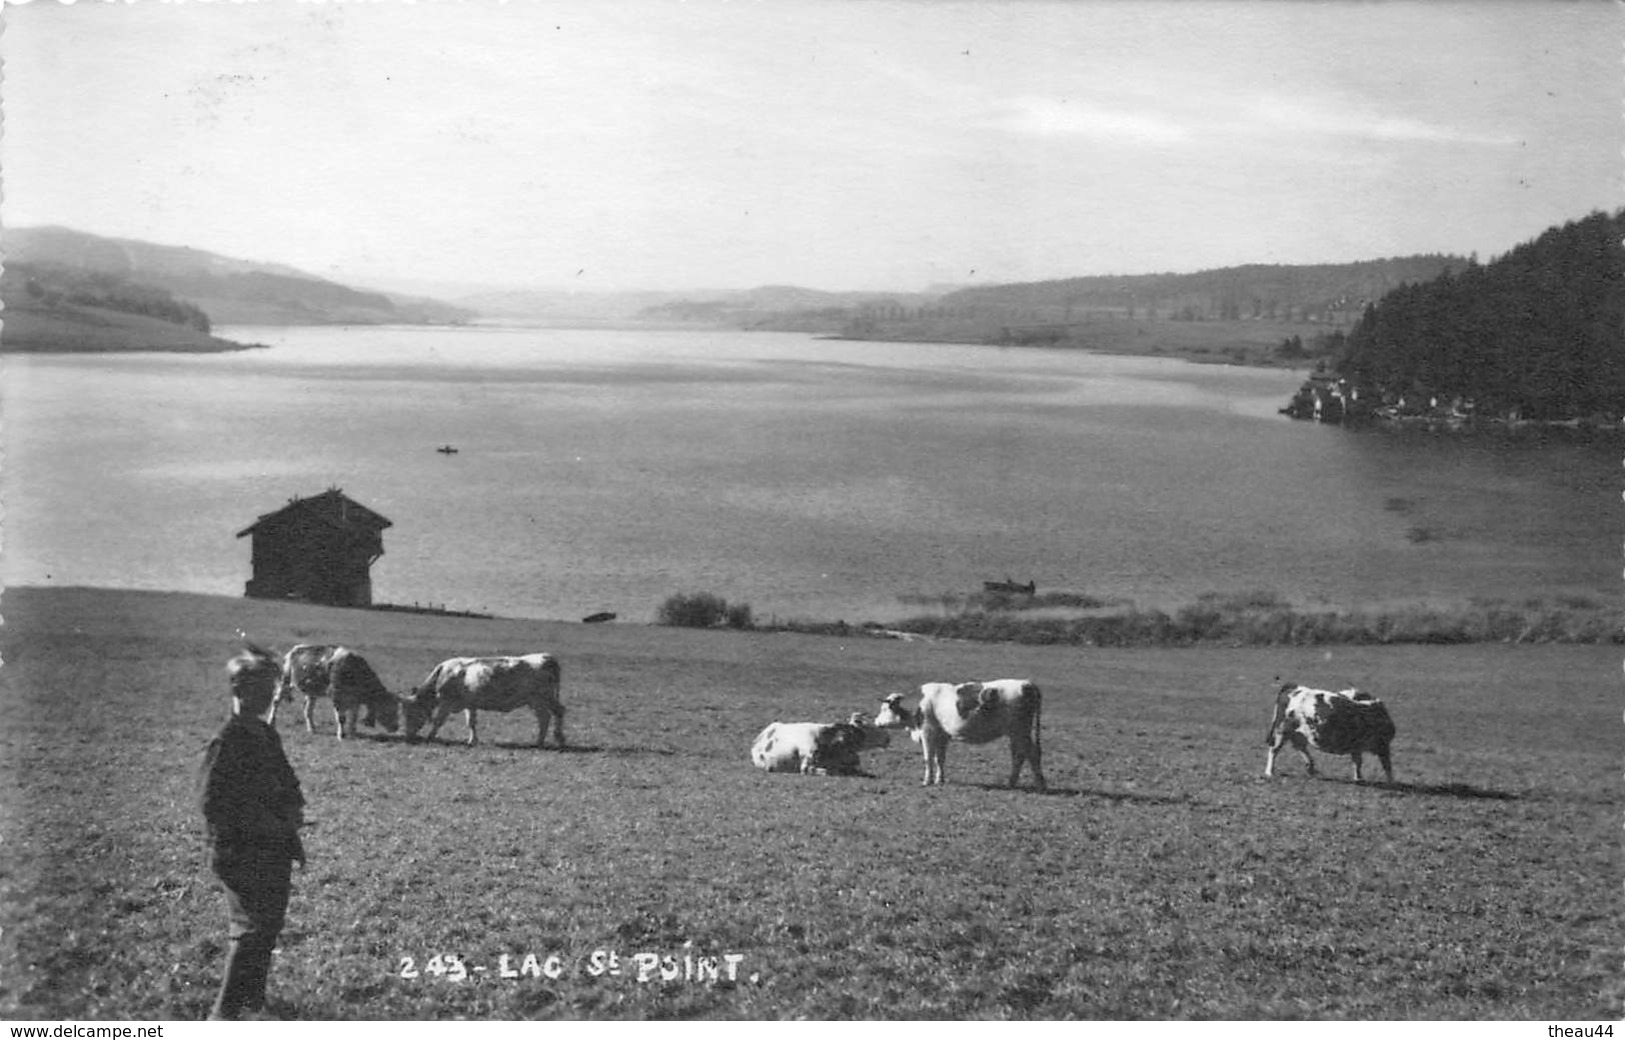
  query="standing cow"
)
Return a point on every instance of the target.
[
  {"x": 474, "y": 684},
  {"x": 346, "y": 679},
  {"x": 1348, "y": 722},
  {"x": 817, "y": 747},
  {"x": 976, "y": 713}
]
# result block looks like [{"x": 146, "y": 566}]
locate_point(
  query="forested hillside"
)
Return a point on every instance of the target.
[
  {"x": 1236, "y": 315},
  {"x": 49, "y": 307},
  {"x": 1537, "y": 334},
  {"x": 230, "y": 291},
  {"x": 51, "y": 285}
]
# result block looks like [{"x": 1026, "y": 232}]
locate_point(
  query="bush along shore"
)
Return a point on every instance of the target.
[{"x": 1225, "y": 619}]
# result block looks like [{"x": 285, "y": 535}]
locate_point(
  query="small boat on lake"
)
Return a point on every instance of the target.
[
  {"x": 599, "y": 618},
  {"x": 1010, "y": 586},
  {"x": 446, "y": 449}
]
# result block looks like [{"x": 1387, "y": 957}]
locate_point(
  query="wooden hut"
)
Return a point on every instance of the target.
[{"x": 319, "y": 549}]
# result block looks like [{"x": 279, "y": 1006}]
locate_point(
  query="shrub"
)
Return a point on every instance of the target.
[{"x": 700, "y": 610}]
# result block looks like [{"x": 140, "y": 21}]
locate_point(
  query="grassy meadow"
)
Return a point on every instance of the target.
[{"x": 1161, "y": 877}]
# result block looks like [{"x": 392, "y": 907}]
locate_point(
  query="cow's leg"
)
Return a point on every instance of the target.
[
  {"x": 310, "y": 706},
  {"x": 558, "y": 723},
  {"x": 442, "y": 712},
  {"x": 1018, "y": 754},
  {"x": 338, "y": 718},
  {"x": 1387, "y": 764},
  {"x": 1035, "y": 758},
  {"x": 471, "y": 717},
  {"x": 1358, "y": 778},
  {"x": 936, "y": 758},
  {"x": 542, "y": 717},
  {"x": 1302, "y": 746},
  {"x": 1269, "y": 762},
  {"x": 930, "y": 761}
]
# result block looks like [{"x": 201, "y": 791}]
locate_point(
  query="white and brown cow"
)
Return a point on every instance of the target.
[
  {"x": 474, "y": 684},
  {"x": 817, "y": 747},
  {"x": 1347, "y": 722},
  {"x": 346, "y": 679},
  {"x": 976, "y": 713}
]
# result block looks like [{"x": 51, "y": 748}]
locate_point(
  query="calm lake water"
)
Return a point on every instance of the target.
[{"x": 605, "y": 470}]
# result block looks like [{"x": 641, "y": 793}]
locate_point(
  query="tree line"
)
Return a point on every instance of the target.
[
  {"x": 1295, "y": 292},
  {"x": 1535, "y": 334},
  {"x": 51, "y": 285}
]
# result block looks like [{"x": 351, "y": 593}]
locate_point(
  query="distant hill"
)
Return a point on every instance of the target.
[
  {"x": 1285, "y": 292},
  {"x": 229, "y": 291},
  {"x": 778, "y": 307},
  {"x": 565, "y": 306},
  {"x": 1230, "y": 313},
  {"x": 1068, "y": 311}
]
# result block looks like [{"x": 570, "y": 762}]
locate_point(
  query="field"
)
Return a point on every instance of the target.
[{"x": 1160, "y": 878}]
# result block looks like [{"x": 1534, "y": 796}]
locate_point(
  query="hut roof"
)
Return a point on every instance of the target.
[{"x": 332, "y": 506}]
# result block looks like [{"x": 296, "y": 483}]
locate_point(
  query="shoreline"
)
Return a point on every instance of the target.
[{"x": 1254, "y": 619}]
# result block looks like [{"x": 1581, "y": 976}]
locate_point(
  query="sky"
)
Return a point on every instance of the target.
[{"x": 831, "y": 144}]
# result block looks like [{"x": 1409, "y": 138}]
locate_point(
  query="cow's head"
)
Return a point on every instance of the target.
[
  {"x": 415, "y": 711},
  {"x": 1282, "y": 695},
  {"x": 873, "y": 735},
  {"x": 383, "y": 711},
  {"x": 893, "y": 715}
]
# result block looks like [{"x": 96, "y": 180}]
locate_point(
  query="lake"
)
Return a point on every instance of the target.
[{"x": 608, "y": 469}]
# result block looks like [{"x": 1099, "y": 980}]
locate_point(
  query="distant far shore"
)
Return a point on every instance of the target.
[{"x": 1253, "y": 343}]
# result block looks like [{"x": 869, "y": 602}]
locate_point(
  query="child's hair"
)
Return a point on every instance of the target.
[{"x": 253, "y": 671}]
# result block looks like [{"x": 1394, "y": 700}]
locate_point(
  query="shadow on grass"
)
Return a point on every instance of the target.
[
  {"x": 329, "y": 737},
  {"x": 1079, "y": 792},
  {"x": 626, "y": 751},
  {"x": 1451, "y": 791},
  {"x": 1456, "y": 790}
]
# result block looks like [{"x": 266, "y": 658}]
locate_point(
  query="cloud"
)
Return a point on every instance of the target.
[
  {"x": 1062, "y": 118},
  {"x": 1276, "y": 114}
]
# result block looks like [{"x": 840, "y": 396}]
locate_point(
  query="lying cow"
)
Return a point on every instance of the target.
[
  {"x": 817, "y": 747},
  {"x": 474, "y": 684},
  {"x": 346, "y": 679},
  {"x": 976, "y": 713},
  {"x": 1349, "y": 722}
]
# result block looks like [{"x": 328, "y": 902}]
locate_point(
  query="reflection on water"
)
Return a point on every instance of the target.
[{"x": 605, "y": 470}]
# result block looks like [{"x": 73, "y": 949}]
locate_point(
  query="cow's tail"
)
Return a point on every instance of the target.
[
  {"x": 1038, "y": 719},
  {"x": 550, "y": 665},
  {"x": 1283, "y": 693}
]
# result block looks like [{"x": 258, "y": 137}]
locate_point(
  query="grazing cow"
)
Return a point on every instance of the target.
[
  {"x": 976, "y": 713},
  {"x": 346, "y": 679},
  {"x": 817, "y": 747},
  {"x": 1349, "y": 722},
  {"x": 474, "y": 684}
]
